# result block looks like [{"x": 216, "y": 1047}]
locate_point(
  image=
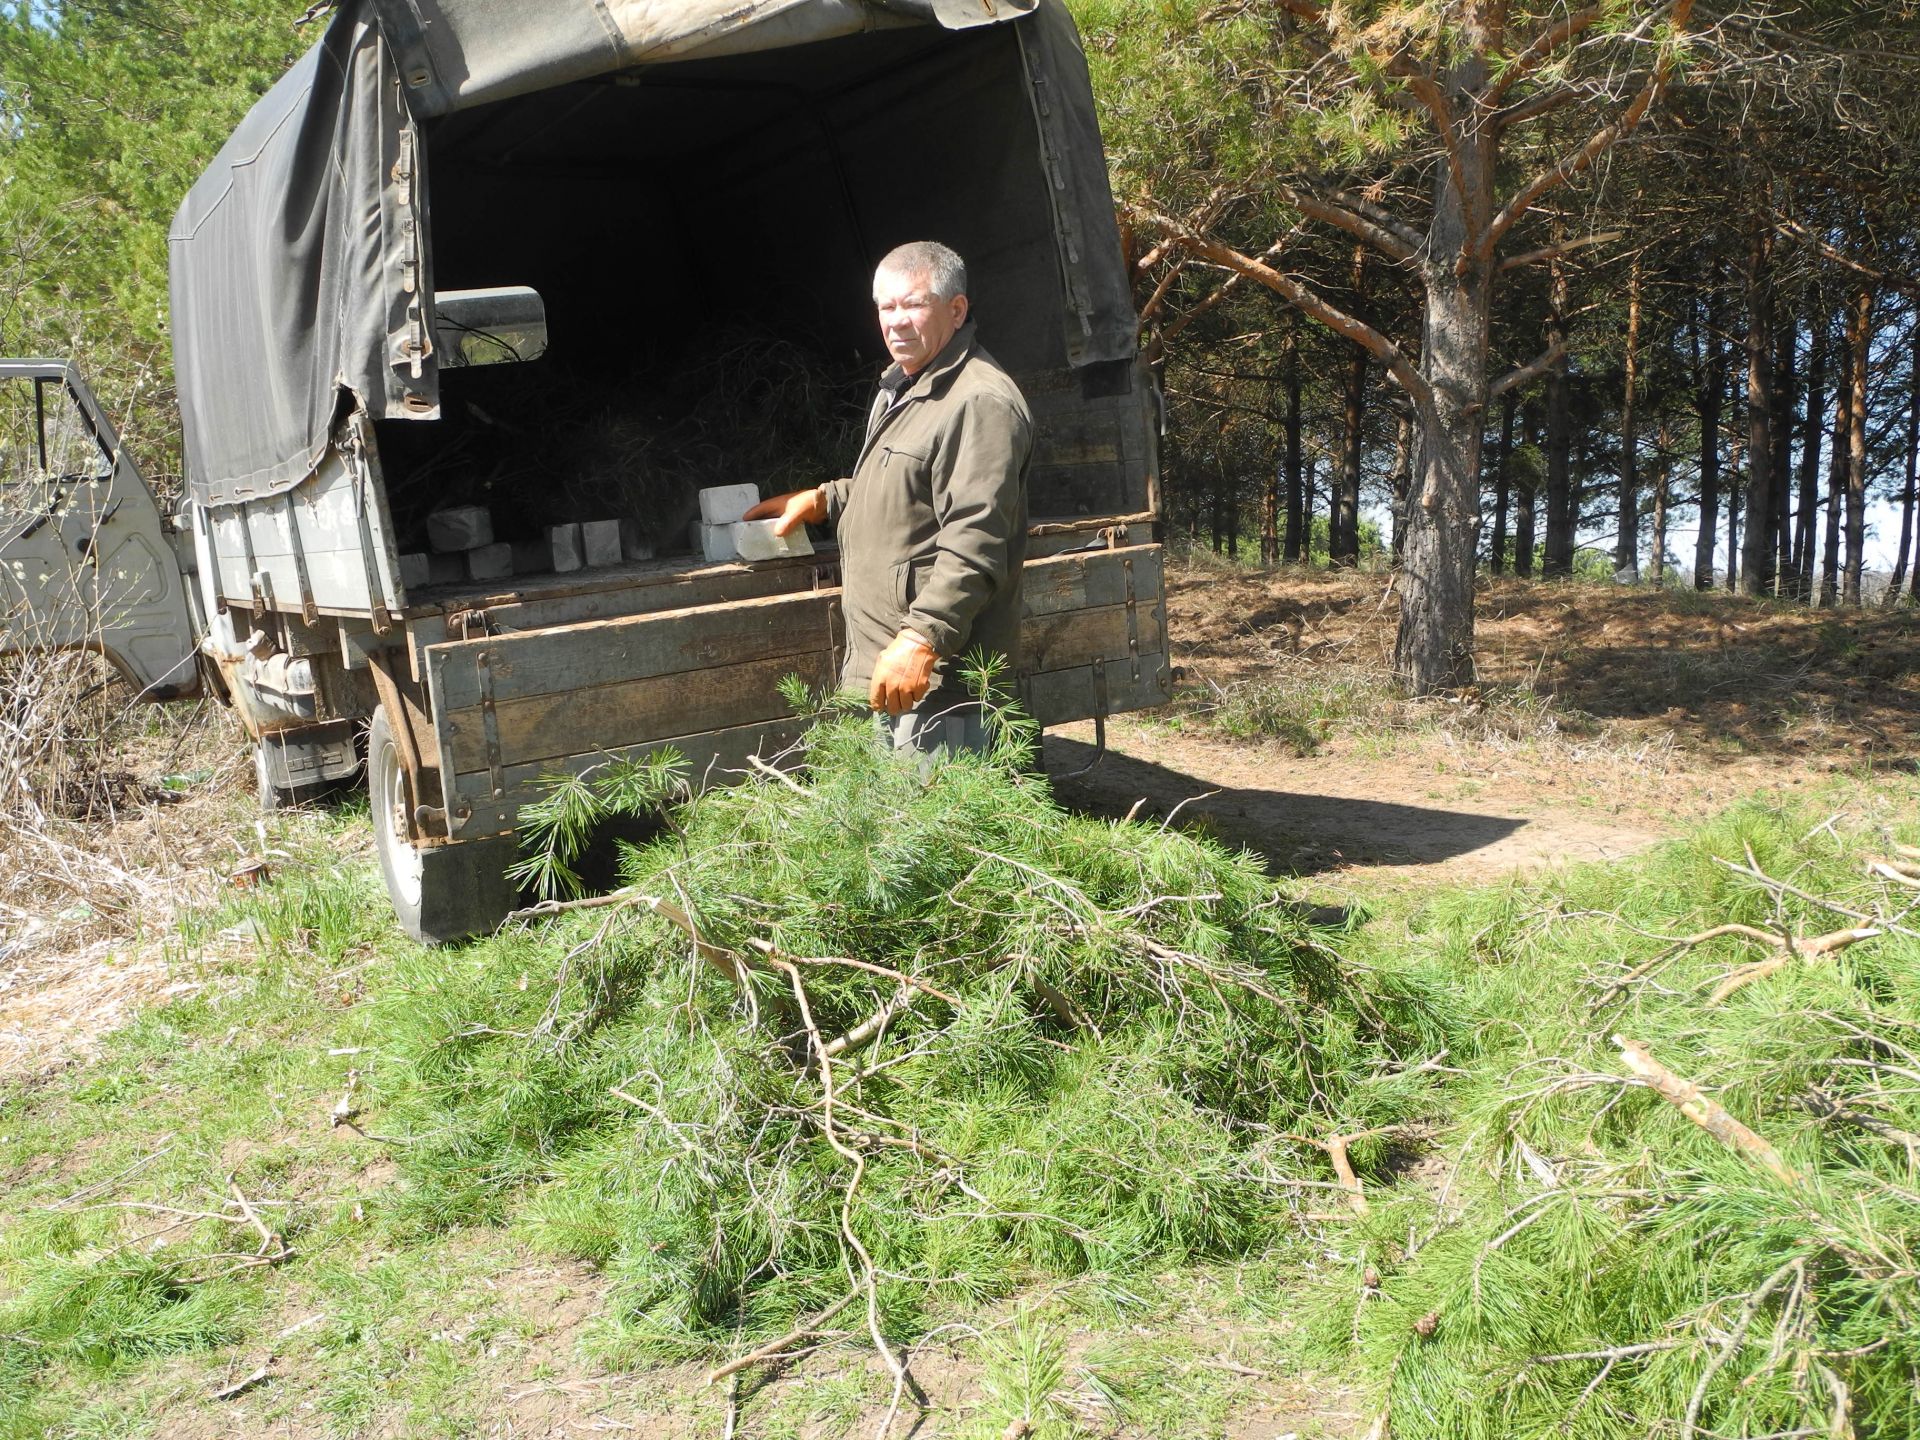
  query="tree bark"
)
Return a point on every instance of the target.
[
  {"x": 1306, "y": 511},
  {"x": 1657, "y": 562},
  {"x": 1837, "y": 462},
  {"x": 1736, "y": 490},
  {"x": 1433, "y": 649},
  {"x": 1786, "y": 344},
  {"x": 1503, "y": 451},
  {"x": 1626, "y": 545},
  {"x": 1756, "y": 550},
  {"x": 1561, "y": 519},
  {"x": 1343, "y": 548},
  {"x": 1292, "y": 547},
  {"x": 1907, "y": 494},
  {"x": 1713, "y": 384},
  {"x": 1524, "y": 523},
  {"x": 1861, "y": 342},
  {"x": 1402, "y": 483},
  {"x": 1343, "y": 520},
  {"x": 1812, "y": 434}
]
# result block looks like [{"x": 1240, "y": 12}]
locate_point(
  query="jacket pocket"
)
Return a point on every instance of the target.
[{"x": 903, "y": 586}]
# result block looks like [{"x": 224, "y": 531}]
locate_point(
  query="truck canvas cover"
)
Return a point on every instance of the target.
[{"x": 301, "y": 262}]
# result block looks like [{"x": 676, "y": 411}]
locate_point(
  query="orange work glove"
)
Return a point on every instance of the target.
[
  {"x": 789, "y": 511},
  {"x": 902, "y": 674}
]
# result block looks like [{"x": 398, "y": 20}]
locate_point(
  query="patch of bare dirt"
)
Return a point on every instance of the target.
[{"x": 1611, "y": 716}]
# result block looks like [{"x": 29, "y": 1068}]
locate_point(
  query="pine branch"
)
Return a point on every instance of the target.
[
  {"x": 1569, "y": 27},
  {"x": 1529, "y": 372}
]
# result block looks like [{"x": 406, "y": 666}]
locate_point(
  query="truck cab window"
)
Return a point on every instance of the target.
[{"x": 46, "y": 436}]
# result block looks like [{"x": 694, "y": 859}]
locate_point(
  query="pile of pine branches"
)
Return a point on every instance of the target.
[
  {"x": 855, "y": 1044},
  {"x": 1687, "y": 1193}
]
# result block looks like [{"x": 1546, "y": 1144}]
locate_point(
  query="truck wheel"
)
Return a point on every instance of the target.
[{"x": 444, "y": 892}]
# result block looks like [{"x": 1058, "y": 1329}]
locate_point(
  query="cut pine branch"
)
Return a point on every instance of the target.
[
  {"x": 1703, "y": 1110},
  {"x": 1791, "y": 949}
]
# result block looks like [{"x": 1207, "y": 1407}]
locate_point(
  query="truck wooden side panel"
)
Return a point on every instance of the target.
[{"x": 510, "y": 709}]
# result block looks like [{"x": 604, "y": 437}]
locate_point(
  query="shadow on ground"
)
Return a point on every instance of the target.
[{"x": 1295, "y": 834}]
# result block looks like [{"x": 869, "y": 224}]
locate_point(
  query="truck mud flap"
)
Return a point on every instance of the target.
[
  {"x": 1094, "y": 641},
  {"x": 512, "y": 710}
]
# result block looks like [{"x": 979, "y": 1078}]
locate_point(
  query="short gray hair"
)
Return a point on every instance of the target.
[{"x": 946, "y": 272}]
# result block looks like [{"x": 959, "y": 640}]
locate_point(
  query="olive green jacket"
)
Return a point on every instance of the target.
[{"x": 932, "y": 524}]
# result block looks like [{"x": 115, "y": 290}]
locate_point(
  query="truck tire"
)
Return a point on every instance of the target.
[{"x": 442, "y": 893}]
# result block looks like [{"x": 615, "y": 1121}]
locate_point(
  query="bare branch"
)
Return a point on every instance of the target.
[
  {"x": 1526, "y": 374},
  {"x": 1554, "y": 252},
  {"x": 1597, "y": 144},
  {"x": 1385, "y": 238},
  {"x": 1335, "y": 319},
  {"x": 1534, "y": 106}
]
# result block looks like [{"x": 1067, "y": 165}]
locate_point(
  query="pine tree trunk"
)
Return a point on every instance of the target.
[
  {"x": 1523, "y": 525},
  {"x": 1433, "y": 650},
  {"x": 1306, "y": 510},
  {"x": 1756, "y": 549},
  {"x": 1343, "y": 526},
  {"x": 1860, "y": 339},
  {"x": 1626, "y": 545},
  {"x": 1786, "y": 344},
  {"x": 1837, "y": 476},
  {"x": 1657, "y": 562},
  {"x": 1735, "y": 491},
  {"x": 1292, "y": 548},
  {"x": 1561, "y": 519},
  {"x": 1402, "y": 483},
  {"x": 1501, "y": 489},
  {"x": 1812, "y": 434},
  {"x": 1713, "y": 384},
  {"x": 1907, "y": 495}
]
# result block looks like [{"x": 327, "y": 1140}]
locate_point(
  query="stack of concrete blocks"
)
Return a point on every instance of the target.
[
  {"x": 463, "y": 548},
  {"x": 721, "y": 536}
]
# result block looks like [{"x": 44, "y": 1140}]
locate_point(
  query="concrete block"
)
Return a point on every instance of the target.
[
  {"x": 724, "y": 504},
  {"x": 716, "y": 543},
  {"x": 755, "y": 540},
  {"x": 568, "y": 552},
  {"x": 459, "y": 527},
  {"x": 600, "y": 542},
  {"x": 416, "y": 570},
  {"x": 490, "y": 562},
  {"x": 447, "y": 569}
]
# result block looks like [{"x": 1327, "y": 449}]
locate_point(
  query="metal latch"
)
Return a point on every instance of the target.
[{"x": 469, "y": 625}]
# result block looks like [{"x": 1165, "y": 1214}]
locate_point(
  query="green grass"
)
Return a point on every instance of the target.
[{"x": 1135, "y": 1204}]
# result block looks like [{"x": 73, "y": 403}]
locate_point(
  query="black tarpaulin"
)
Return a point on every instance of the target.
[{"x": 301, "y": 263}]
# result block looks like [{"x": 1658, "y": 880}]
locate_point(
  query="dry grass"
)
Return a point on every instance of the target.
[{"x": 116, "y": 817}]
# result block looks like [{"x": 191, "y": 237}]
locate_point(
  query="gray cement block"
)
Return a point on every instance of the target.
[
  {"x": 568, "y": 553},
  {"x": 633, "y": 544},
  {"x": 716, "y": 543},
  {"x": 459, "y": 527},
  {"x": 490, "y": 562},
  {"x": 724, "y": 504},
  {"x": 416, "y": 570},
  {"x": 755, "y": 540},
  {"x": 447, "y": 569},
  {"x": 600, "y": 541}
]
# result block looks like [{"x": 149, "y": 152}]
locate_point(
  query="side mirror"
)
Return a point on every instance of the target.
[{"x": 489, "y": 327}]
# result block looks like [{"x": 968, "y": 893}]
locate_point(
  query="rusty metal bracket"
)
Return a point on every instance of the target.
[
  {"x": 400, "y": 725},
  {"x": 1133, "y": 620},
  {"x": 470, "y": 625},
  {"x": 490, "y": 721},
  {"x": 1101, "y": 705},
  {"x": 309, "y": 611}
]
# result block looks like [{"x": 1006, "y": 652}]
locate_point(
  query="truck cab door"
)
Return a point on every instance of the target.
[{"x": 85, "y": 562}]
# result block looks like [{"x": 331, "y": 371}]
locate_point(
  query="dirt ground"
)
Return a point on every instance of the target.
[{"x": 1644, "y": 711}]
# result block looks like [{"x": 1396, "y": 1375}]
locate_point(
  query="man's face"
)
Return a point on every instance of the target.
[{"x": 915, "y": 323}]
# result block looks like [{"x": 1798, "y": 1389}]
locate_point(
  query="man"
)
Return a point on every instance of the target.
[{"x": 932, "y": 524}]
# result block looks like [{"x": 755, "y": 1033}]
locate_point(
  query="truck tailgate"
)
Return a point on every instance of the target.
[{"x": 512, "y": 709}]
